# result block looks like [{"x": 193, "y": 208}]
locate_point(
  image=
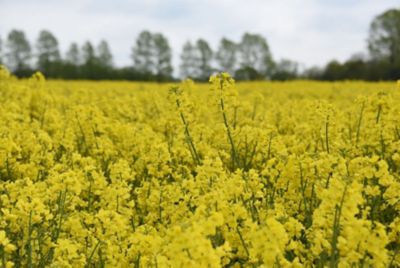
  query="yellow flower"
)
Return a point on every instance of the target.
[
  {"x": 251, "y": 174},
  {"x": 8, "y": 247}
]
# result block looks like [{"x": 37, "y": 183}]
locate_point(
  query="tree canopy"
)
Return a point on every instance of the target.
[{"x": 248, "y": 59}]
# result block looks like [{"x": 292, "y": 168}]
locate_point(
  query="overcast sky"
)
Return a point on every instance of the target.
[{"x": 311, "y": 32}]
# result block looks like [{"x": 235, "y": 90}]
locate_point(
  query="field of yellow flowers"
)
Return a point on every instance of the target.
[{"x": 261, "y": 174}]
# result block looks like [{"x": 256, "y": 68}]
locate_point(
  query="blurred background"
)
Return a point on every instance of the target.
[{"x": 157, "y": 40}]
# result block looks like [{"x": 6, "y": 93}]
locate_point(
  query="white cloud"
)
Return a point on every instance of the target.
[{"x": 309, "y": 31}]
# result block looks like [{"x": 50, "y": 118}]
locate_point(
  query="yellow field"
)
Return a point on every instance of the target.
[{"x": 262, "y": 174}]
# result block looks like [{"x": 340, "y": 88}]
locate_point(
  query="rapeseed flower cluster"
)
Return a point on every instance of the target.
[{"x": 260, "y": 174}]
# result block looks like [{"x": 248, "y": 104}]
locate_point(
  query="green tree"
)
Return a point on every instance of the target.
[
  {"x": 285, "y": 69},
  {"x": 248, "y": 73},
  {"x": 356, "y": 69},
  {"x": 104, "y": 63},
  {"x": 1, "y": 51},
  {"x": 384, "y": 37},
  {"x": 47, "y": 52},
  {"x": 105, "y": 58},
  {"x": 142, "y": 53},
  {"x": 72, "y": 62},
  {"x": 188, "y": 66},
  {"x": 73, "y": 55},
  {"x": 334, "y": 70},
  {"x": 88, "y": 54},
  {"x": 226, "y": 56},
  {"x": 89, "y": 61},
  {"x": 205, "y": 56},
  {"x": 18, "y": 51},
  {"x": 314, "y": 73},
  {"x": 196, "y": 60},
  {"x": 162, "y": 57},
  {"x": 255, "y": 54}
]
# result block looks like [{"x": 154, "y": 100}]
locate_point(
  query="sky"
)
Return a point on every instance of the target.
[{"x": 311, "y": 32}]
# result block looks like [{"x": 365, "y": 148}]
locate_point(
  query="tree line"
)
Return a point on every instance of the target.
[{"x": 151, "y": 54}]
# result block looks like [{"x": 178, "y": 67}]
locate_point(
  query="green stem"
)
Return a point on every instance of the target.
[
  {"x": 3, "y": 256},
  {"x": 89, "y": 260},
  {"x": 269, "y": 146},
  {"x": 188, "y": 136},
  {"x": 378, "y": 114},
  {"x": 326, "y": 134},
  {"x": 29, "y": 242},
  {"x": 230, "y": 138},
  {"x": 336, "y": 231},
  {"x": 242, "y": 241},
  {"x": 359, "y": 123}
]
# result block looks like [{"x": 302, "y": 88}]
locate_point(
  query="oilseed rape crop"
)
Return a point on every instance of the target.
[{"x": 257, "y": 174}]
